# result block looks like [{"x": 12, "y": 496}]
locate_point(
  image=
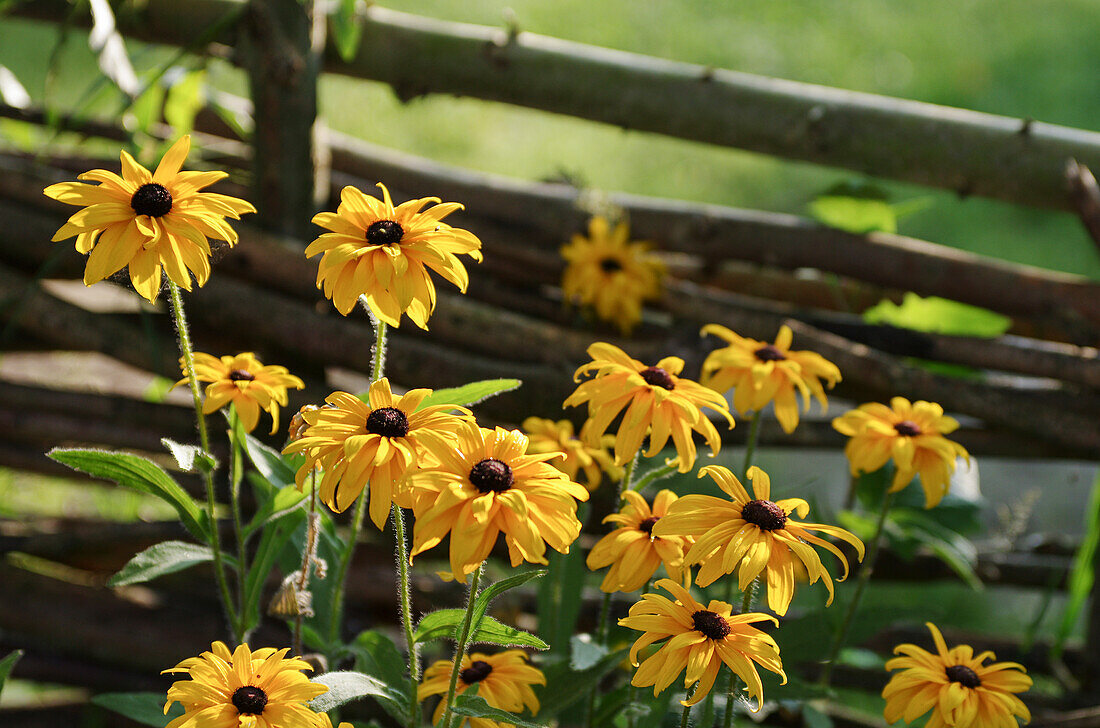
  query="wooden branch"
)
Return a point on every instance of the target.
[
  {"x": 971, "y": 153},
  {"x": 1085, "y": 193}
]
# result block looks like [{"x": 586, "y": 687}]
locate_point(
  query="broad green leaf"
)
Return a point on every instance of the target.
[
  {"x": 476, "y": 707},
  {"x": 285, "y": 501},
  {"x": 190, "y": 458},
  {"x": 132, "y": 471},
  {"x": 446, "y": 624},
  {"x": 1081, "y": 576},
  {"x": 470, "y": 394},
  {"x": 487, "y": 595},
  {"x": 571, "y": 685},
  {"x": 558, "y": 607},
  {"x": 376, "y": 654},
  {"x": 144, "y": 708},
  {"x": 269, "y": 462},
  {"x": 163, "y": 558},
  {"x": 6, "y": 666},
  {"x": 938, "y": 315},
  {"x": 346, "y": 29},
  {"x": 857, "y": 207},
  {"x": 584, "y": 653},
  {"x": 347, "y": 686},
  {"x": 272, "y": 541},
  {"x": 185, "y": 99}
]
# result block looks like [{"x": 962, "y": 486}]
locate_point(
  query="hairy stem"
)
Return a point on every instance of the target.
[
  {"x": 313, "y": 525},
  {"x": 401, "y": 554},
  {"x": 460, "y": 647},
  {"x": 236, "y": 472},
  {"x": 731, "y": 686}
]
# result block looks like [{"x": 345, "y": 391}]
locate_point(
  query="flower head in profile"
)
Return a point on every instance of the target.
[
  {"x": 244, "y": 689},
  {"x": 751, "y": 535},
  {"x": 699, "y": 639},
  {"x": 380, "y": 442},
  {"x": 910, "y": 433},
  {"x": 656, "y": 400},
  {"x": 575, "y": 454},
  {"x": 504, "y": 680},
  {"x": 245, "y": 383},
  {"x": 632, "y": 550},
  {"x": 383, "y": 252},
  {"x": 960, "y": 689},
  {"x": 485, "y": 484},
  {"x": 760, "y": 372},
  {"x": 148, "y": 221},
  {"x": 611, "y": 274}
]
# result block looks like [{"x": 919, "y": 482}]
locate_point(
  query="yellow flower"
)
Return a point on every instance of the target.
[
  {"x": 574, "y": 454},
  {"x": 245, "y": 689},
  {"x": 504, "y": 680},
  {"x": 245, "y": 383},
  {"x": 610, "y": 274},
  {"x": 751, "y": 535},
  {"x": 633, "y": 550},
  {"x": 657, "y": 402},
  {"x": 326, "y": 722},
  {"x": 148, "y": 221},
  {"x": 960, "y": 691},
  {"x": 699, "y": 639},
  {"x": 380, "y": 251},
  {"x": 485, "y": 484},
  {"x": 761, "y": 372},
  {"x": 379, "y": 442},
  {"x": 911, "y": 434}
]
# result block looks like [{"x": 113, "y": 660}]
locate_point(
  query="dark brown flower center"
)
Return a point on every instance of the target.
[
  {"x": 710, "y": 624},
  {"x": 249, "y": 700},
  {"x": 241, "y": 375},
  {"x": 769, "y": 353},
  {"x": 611, "y": 265},
  {"x": 388, "y": 422},
  {"x": 476, "y": 672},
  {"x": 647, "y": 524},
  {"x": 908, "y": 428},
  {"x": 152, "y": 199},
  {"x": 491, "y": 475},
  {"x": 764, "y": 514},
  {"x": 384, "y": 232},
  {"x": 964, "y": 676},
  {"x": 657, "y": 377}
]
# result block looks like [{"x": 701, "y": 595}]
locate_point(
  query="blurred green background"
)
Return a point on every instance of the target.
[{"x": 1026, "y": 58}]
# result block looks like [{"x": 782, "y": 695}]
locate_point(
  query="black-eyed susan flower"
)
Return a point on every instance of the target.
[
  {"x": 910, "y": 433},
  {"x": 699, "y": 640},
  {"x": 384, "y": 252},
  {"x": 486, "y": 483},
  {"x": 760, "y": 372},
  {"x": 245, "y": 383},
  {"x": 148, "y": 221},
  {"x": 611, "y": 274},
  {"x": 575, "y": 454},
  {"x": 658, "y": 403},
  {"x": 956, "y": 685},
  {"x": 753, "y": 535},
  {"x": 504, "y": 680},
  {"x": 632, "y": 550},
  {"x": 244, "y": 689},
  {"x": 380, "y": 442},
  {"x": 326, "y": 722}
]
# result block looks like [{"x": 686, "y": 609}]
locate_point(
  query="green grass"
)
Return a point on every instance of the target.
[{"x": 1026, "y": 58}]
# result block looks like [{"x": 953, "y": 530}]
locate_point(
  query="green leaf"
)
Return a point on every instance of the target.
[
  {"x": 939, "y": 316},
  {"x": 469, "y": 394},
  {"x": 949, "y": 546},
  {"x": 190, "y": 458},
  {"x": 144, "y": 708},
  {"x": 487, "y": 595},
  {"x": 814, "y": 718},
  {"x": 446, "y": 623},
  {"x": 558, "y": 606},
  {"x": 344, "y": 687},
  {"x": 163, "y": 558},
  {"x": 1081, "y": 576},
  {"x": 286, "y": 500},
  {"x": 268, "y": 461},
  {"x": 271, "y": 544},
  {"x": 855, "y": 207},
  {"x": 185, "y": 99},
  {"x": 376, "y": 654},
  {"x": 158, "y": 389},
  {"x": 584, "y": 653},
  {"x": 132, "y": 471},
  {"x": 572, "y": 685},
  {"x": 346, "y": 29},
  {"x": 6, "y": 666},
  {"x": 476, "y": 707}
]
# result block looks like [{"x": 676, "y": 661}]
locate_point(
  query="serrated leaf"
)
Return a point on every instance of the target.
[
  {"x": 938, "y": 315},
  {"x": 584, "y": 653},
  {"x": 190, "y": 458},
  {"x": 346, "y": 29},
  {"x": 144, "y": 708},
  {"x": 446, "y": 623},
  {"x": 344, "y": 687},
  {"x": 163, "y": 558},
  {"x": 470, "y": 394},
  {"x": 133, "y": 471},
  {"x": 6, "y": 666},
  {"x": 475, "y": 706}
]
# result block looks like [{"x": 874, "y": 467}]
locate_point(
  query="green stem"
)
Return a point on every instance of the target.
[
  {"x": 750, "y": 445},
  {"x": 632, "y": 691},
  {"x": 236, "y": 471},
  {"x": 401, "y": 549},
  {"x": 312, "y": 528},
  {"x": 188, "y": 355},
  {"x": 653, "y": 475},
  {"x": 602, "y": 629},
  {"x": 731, "y": 686},
  {"x": 460, "y": 648},
  {"x": 684, "y": 716},
  {"x": 864, "y": 578},
  {"x": 628, "y": 474}
]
